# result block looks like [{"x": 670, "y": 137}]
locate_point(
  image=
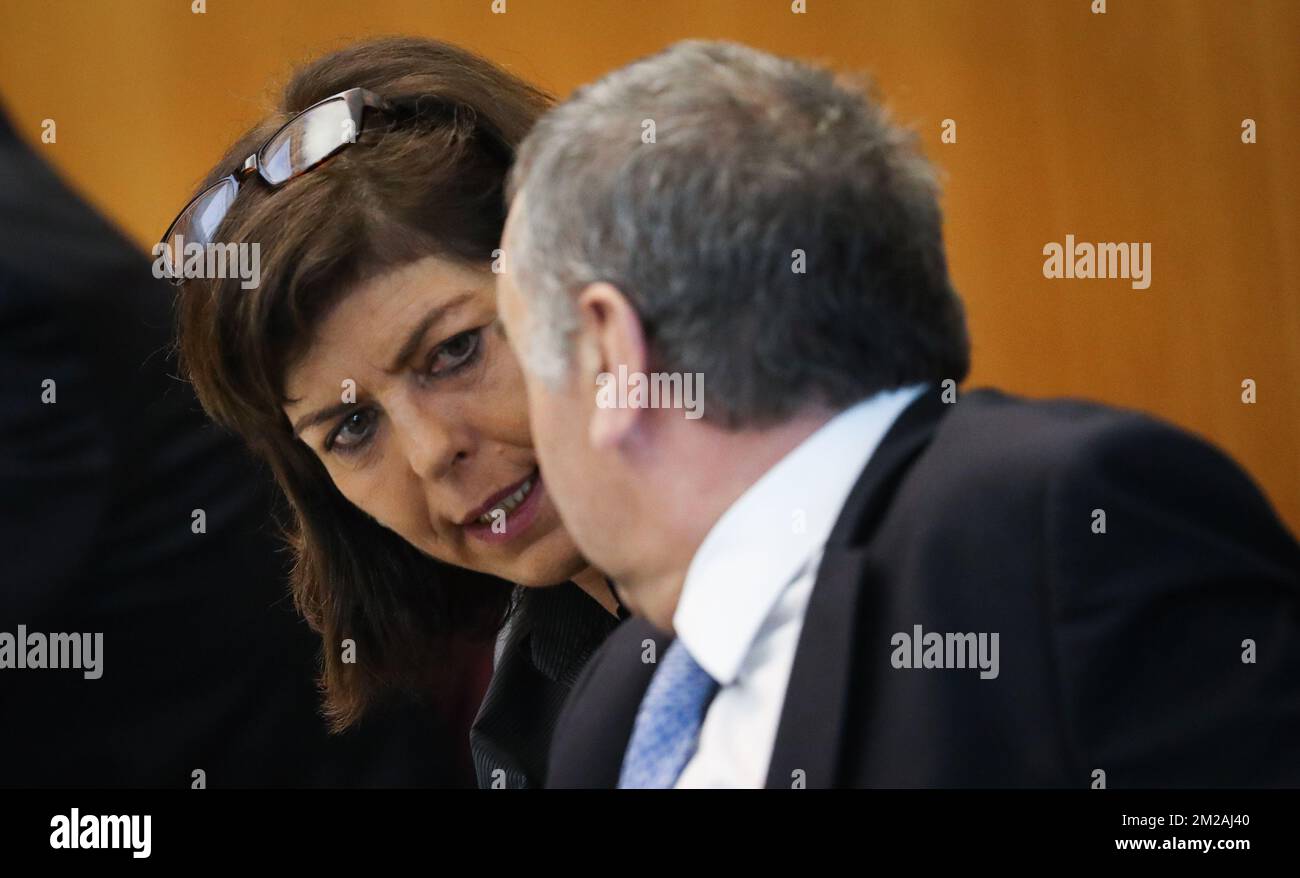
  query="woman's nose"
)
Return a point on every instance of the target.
[{"x": 432, "y": 443}]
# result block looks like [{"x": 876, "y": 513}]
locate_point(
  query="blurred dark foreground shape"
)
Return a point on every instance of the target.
[{"x": 205, "y": 666}]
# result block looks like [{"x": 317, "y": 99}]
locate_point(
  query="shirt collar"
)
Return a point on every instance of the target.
[{"x": 765, "y": 538}]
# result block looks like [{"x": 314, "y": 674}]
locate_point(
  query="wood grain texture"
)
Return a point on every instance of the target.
[{"x": 1116, "y": 127}]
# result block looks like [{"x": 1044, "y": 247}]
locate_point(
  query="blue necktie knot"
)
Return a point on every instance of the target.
[{"x": 667, "y": 728}]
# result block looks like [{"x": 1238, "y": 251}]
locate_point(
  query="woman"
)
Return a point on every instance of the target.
[{"x": 368, "y": 368}]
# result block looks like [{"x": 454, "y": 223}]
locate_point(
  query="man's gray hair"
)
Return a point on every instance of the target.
[{"x": 770, "y": 226}]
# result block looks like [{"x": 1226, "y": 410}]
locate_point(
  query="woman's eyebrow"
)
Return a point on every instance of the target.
[
  {"x": 325, "y": 414},
  {"x": 408, "y": 350},
  {"x": 416, "y": 335}
]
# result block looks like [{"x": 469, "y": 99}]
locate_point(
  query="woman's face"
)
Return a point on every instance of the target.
[{"x": 412, "y": 399}]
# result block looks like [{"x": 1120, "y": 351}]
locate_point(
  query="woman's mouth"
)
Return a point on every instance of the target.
[
  {"x": 508, "y": 513},
  {"x": 509, "y": 504}
]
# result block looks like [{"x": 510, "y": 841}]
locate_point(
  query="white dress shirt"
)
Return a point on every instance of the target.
[{"x": 746, "y": 591}]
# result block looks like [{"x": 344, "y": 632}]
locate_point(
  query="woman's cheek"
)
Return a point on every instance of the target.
[
  {"x": 374, "y": 493},
  {"x": 505, "y": 395}
]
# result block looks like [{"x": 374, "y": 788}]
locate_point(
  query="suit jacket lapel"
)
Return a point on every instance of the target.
[
  {"x": 596, "y": 725},
  {"x": 810, "y": 733}
]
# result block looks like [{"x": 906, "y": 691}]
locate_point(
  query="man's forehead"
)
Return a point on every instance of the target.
[
  {"x": 512, "y": 217},
  {"x": 506, "y": 282}
]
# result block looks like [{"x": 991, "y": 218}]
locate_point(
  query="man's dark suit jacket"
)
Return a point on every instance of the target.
[
  {"x": 1120, "y": 652},
  {"x": 206, "y": 666}
]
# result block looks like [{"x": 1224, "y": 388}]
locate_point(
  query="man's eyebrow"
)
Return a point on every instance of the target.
[{"x": 416, "y": 335}]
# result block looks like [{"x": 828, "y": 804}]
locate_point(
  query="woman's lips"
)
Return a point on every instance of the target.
[{"x": 506, "y": 523}]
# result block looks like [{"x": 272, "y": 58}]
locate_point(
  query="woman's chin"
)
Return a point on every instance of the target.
[
  {"x": 545, "y": 576},
  {"x": 540, "y": 584},
  {"x": 552, "y": 560}
]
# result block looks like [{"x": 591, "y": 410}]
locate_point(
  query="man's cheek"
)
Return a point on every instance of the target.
[
  {"x": 542, "y": 431},
  {"x": 537, "y": 415}
]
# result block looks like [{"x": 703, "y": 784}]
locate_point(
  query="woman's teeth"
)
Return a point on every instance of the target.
[{"x": 507, "y": 505}]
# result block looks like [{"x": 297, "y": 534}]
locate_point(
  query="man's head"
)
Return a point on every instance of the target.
[{"x": 713, "y": 210}]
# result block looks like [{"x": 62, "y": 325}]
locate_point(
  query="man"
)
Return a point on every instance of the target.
[
  {"x": 869, "y": 582},
  {"x": 204, "y": 675}
]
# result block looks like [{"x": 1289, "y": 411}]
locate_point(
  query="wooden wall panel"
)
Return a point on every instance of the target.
[{"x": 1115, "y": 127}]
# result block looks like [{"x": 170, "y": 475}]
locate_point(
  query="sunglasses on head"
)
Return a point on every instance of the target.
[{"x": 302, "y": 143}]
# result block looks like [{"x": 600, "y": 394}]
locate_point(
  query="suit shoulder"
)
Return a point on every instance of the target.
[
  {"x": 1021, "y": 424},
  {"x": 996, "y": 432},
  {"x": 1086, "y": 441},
  {"x": 992, "y": 447},
  {"x": 1062, "y": 456},
  {"x": 995, "y": 450}
]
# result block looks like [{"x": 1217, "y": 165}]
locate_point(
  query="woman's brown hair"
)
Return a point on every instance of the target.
[{"x": 401, "y": 192}]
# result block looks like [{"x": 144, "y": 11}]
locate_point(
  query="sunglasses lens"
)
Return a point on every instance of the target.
[
  {"x": 197, "y": 225},
  {"x": 308, "y": 140}
]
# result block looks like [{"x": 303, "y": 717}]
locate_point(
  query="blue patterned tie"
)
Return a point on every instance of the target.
[{"x": 667, "y": 728}]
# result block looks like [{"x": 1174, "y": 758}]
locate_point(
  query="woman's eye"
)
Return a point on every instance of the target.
[
  {"x": 453, "y": 353},
  {"x": 351, "y": 432}
]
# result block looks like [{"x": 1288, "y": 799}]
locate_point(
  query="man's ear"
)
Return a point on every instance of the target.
[{"x": 612, "y": 337}]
